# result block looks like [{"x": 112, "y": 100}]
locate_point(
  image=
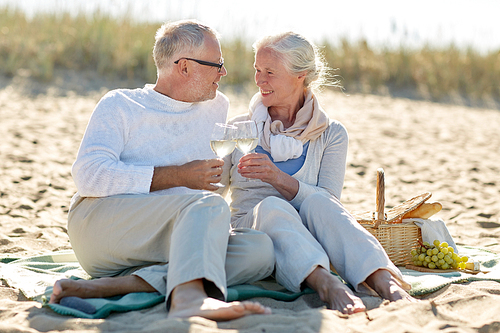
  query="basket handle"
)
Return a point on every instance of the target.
[{"x": 380, "y": 198}]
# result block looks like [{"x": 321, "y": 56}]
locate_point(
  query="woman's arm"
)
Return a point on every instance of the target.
[
  {"x": 259, "y": 166},
  {"x": 323, "y": 171},
  {"x": 330, "y": 166}
]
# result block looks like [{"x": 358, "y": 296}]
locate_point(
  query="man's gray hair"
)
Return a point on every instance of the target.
[
  {"x": 176, "y": 37},
  {"x": 299, "y": 55}
]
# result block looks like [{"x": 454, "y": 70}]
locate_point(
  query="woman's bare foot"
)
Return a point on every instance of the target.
[
  {"x": 332, "y": 291},
  {"x": 189, "y": 299},
  {"x": 103, "y": 287},
  {"x": 387, "y": 286}
]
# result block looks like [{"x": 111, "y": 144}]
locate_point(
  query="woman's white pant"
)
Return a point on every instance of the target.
[{"x": 323, "y": 231}]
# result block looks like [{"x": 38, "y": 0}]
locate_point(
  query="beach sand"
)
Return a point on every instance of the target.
[{"x": 449, "y": 150}]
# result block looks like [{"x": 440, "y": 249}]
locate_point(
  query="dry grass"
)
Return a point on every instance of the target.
[
  {"x": 112, "y": 47},
  {"x": 121, "y": 48}
]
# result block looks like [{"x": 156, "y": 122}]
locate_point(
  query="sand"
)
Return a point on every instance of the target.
[{"x": 449, "y": 150}]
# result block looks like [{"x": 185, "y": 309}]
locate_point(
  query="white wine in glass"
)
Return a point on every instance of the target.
[
  {"x": 222, "y": 141},
  {"x": 246, "y": 145},
  {"x": 247, "y": 137},
  {"x": 222, "y": 148}
]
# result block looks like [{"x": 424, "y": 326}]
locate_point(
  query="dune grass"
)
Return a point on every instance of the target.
[
  {"x": 430, "y": 72},
  {"x": 121, "y": 48},
  {"x": 115, "y": 47}
]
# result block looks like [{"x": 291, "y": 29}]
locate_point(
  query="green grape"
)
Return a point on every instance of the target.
[{"x": 437, "y": 255}]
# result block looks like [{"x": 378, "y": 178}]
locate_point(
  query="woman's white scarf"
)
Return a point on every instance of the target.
[{"x": 284, "y": 144}]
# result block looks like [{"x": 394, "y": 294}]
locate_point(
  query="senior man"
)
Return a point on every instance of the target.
[{"x": 143, "y": 217}]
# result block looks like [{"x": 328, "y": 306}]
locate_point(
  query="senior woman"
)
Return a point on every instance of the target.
[{"x": 300, "y": 162}]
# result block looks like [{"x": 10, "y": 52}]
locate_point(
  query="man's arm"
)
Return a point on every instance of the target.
[{"x": 198, "y": 175}]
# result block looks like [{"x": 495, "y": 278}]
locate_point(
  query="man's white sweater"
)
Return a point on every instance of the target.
[{"x": 132, "y": 131}]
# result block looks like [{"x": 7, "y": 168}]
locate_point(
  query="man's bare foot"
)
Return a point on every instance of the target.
[
  {"x": 387, "y": 286},
  {"x": 103, "y": 287},
  {"x": 189, "y": 299},
  {"x": 332, "y": 291}
]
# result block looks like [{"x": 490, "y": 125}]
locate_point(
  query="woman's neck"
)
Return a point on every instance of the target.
[{"x": 286, "y": 113}]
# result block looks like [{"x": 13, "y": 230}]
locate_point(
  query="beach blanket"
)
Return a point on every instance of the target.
[{"x": 35, "y": 276}]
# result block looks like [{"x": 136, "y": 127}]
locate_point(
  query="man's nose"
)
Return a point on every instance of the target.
[{"x": 223, "y": 71}]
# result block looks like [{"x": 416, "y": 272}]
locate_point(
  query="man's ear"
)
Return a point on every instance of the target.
[{"x": 183, "y": 67}]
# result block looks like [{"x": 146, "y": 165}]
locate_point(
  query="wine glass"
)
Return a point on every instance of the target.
[
  {"x": 247, "y": 137},
  {"x": 222, "y": 141}
]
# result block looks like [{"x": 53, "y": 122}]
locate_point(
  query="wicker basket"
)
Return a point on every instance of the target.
[{"x": 397, "y": 238}]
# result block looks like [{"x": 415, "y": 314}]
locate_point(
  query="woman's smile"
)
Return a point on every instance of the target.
[{"x": 279, "y": 88}]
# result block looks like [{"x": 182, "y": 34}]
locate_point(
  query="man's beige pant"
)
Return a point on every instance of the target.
[{"x": 182, "y": 237}]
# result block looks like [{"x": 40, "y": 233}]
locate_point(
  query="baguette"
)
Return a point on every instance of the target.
[{"x": 424, "y": 211}]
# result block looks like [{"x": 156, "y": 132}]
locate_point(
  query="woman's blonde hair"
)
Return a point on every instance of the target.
[{"x": 299, "y": 55}]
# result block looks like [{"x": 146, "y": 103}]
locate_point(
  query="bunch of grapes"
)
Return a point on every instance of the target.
[{"x": 438, "y": 255}]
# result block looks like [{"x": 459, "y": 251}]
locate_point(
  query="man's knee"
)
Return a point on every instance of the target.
[
  {"x": 210, "y": 208},
  {"x": 211, "y": 200}
]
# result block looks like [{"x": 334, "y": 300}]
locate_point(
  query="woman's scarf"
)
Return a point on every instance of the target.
[{"x": 284, "y": 144}]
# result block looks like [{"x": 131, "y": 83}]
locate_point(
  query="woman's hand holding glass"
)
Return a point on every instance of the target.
[
  {"x": 247, "y": 137},
  {"x": 222, "y": 142},
  {"x": 258, "y": 166}
]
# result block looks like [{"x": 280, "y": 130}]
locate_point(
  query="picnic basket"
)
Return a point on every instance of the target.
[{"x": 397, "y": 238}]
